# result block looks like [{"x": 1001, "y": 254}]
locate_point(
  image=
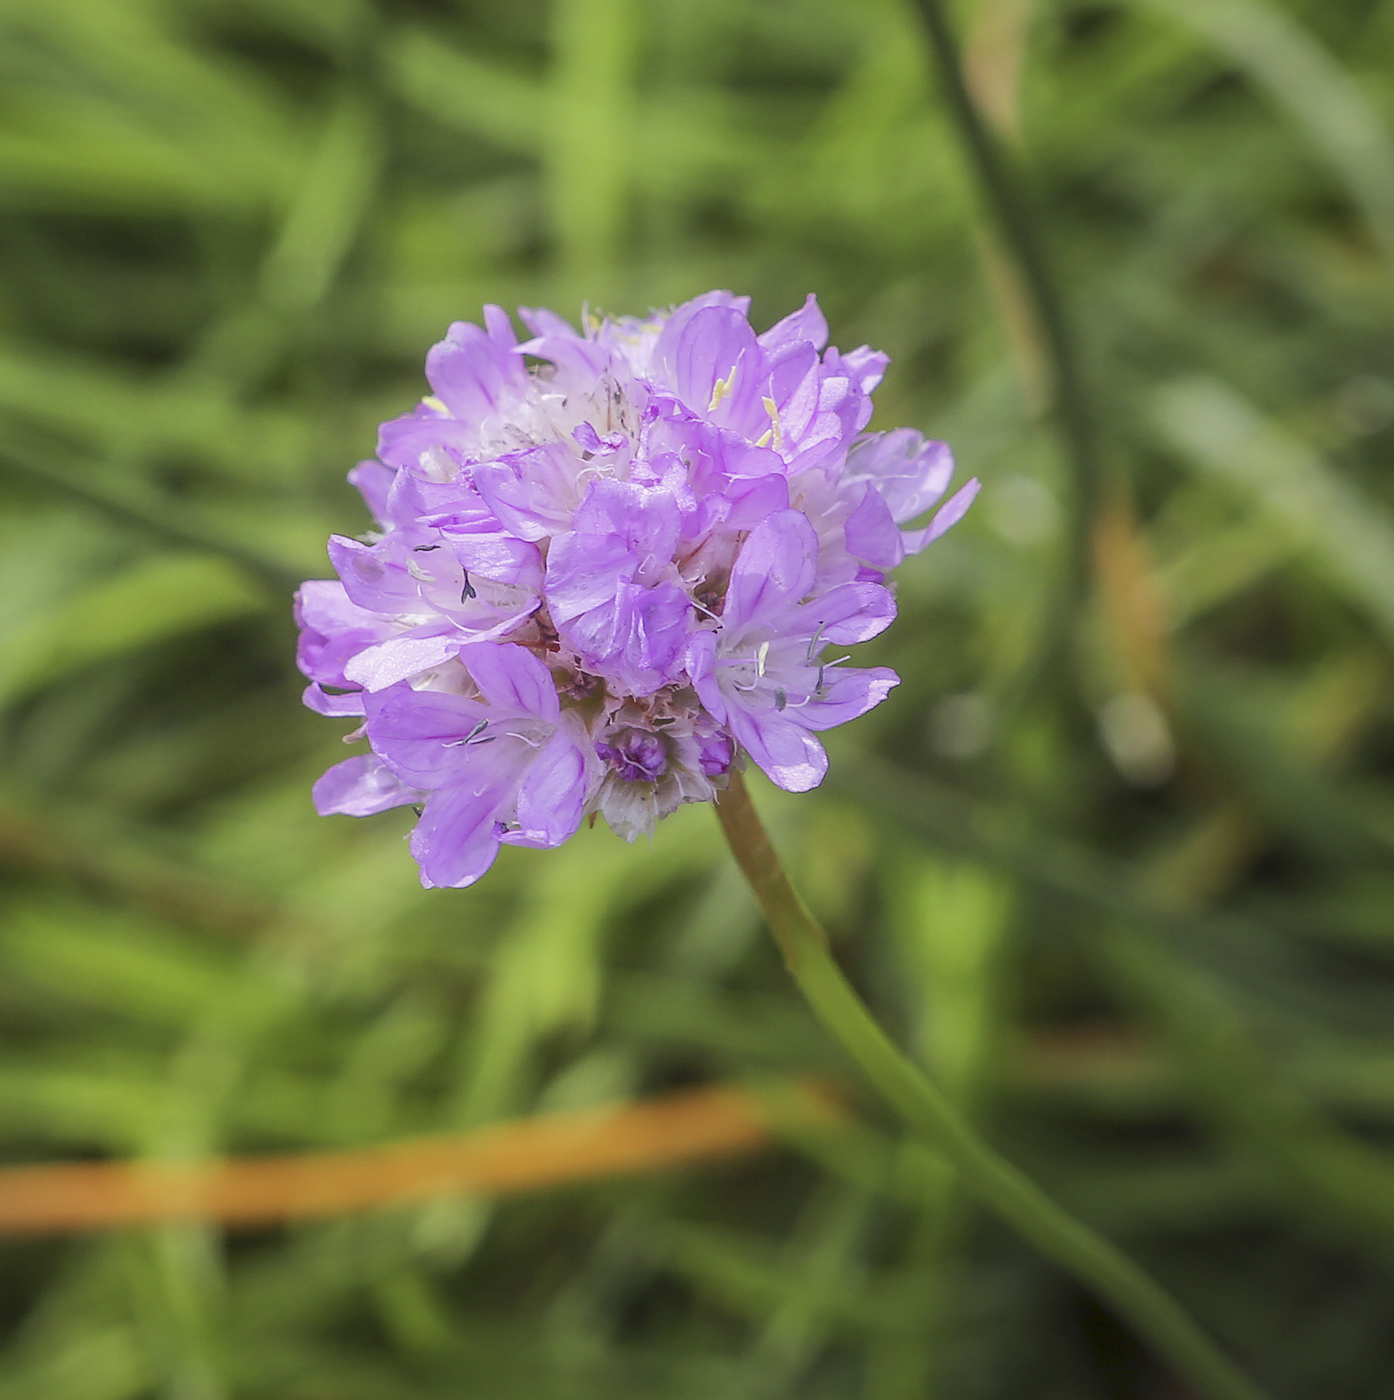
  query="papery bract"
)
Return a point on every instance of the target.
[{"x": 594, "y": 584}]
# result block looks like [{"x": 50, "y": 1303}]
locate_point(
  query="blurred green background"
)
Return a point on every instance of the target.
[{"x": 1129, "y": 891}]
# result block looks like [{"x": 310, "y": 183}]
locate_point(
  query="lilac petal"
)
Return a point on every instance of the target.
[
  {"x": 701, "y": 670},
  {"x": 718, "y": 347},
  {"x": 836, "y": 415},
  {"x": 503, "y": 628},
  {"x": 636, "y": 637},
  {"x": 794, "y": 385},
  {"x": 776, "y": 566},
  {"x": 500, "y": 557},
  {"x": 360, "y": 787},
  {"x": 418, "y": 734},
  {"x": 399, "y": 658},
  {"x": 848, "y": 694},
  {"x": 930, "y": 474},
  {"x": 945, "y": 518},
  {"x": 645, "y": 518},
  {"x": 410, "y": 497},
  {"x": 909, "y": 472},
  {"x": 834, "y": 390},
  {"x": 601, "y": 633},
  {"x": 715, "y": 298},
  {"x": 578, "y": 362},
  {"x": 346, "y": 706},
  {"x": 552, "y": 798},
  {"x": 583, "y": 572},
  {"x": 871, "y": 532},
  {"x": 847, "y": 614},
  {"x": 716, "y": 753},
  {"x": 806, "y": 324},
  {"x": 373, "y": 480},
  {"x": 867, "y": 366},
  {"x": 499, "y": 325},
  {"x": 665, "y": 352},
  {"x": 789, "y": 755},
  {"x": 533, "y": 493},
  {"x": 471, "y": 374},
  {"x": 542, "y": 322},
  {"x": 709, "y": 455},
  {"x": 322, "y": 605},
  {"x": 954, "y": 509},
  {"x": 662, "y": 615},
  {"x": 467, "y": 513},
  {"x": 512, "y": 680},
  {"x": 455, "y": 842},
  {"x": 438, "y": 575},
  {"x": 669, "y": 472},
  {"x": 372, "y": 578},
  {"x": 323, "y": 658},
  {"x": 333, "y": 630},
  {"x": 738, "y": 458},
  {"x": 752, "y": 499},
  {"x": 422, "y": 441}
]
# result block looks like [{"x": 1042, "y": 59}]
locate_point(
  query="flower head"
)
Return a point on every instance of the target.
[{"x": 596, "y": 581}]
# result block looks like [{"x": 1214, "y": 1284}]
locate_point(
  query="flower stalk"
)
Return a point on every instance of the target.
[{"x": 930, "y": 1115}]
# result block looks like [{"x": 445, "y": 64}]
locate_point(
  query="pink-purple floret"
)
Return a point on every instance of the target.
[{"x": 597, "y": 580}]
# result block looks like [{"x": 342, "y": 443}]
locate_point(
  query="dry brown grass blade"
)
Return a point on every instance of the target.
[
  {"x": 1134, "y": 602},
  {"x": 524, "y": 1155}
]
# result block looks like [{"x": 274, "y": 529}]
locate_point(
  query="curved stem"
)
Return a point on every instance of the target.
[
  {"x": 932, "y": 1117},
  {"x": 1004, "y": 190}
]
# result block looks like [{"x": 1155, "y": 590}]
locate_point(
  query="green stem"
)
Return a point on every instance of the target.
[{"x": 931, "y": 1116}]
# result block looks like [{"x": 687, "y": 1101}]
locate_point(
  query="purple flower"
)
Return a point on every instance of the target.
[
  {"x": 762, "y": 676},
  {"x": 594, "y": 584}
]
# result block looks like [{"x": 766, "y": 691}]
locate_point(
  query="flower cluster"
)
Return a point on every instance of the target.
[{"x": 605, "y": 564}]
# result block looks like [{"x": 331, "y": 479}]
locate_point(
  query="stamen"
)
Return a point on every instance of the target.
[
  {"x": 780, "y": 698},
  {"x": 760, "y": 657},
  {"x": 473, "y": 734},
  {"x": 467, "y": 591},
  {"x": 813, "y": 642},
  {"x": 477, "y": 730},
  {"x": 776, "y": 431}
]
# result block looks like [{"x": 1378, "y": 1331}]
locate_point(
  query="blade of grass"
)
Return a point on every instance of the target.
[
  {"x": 1315, "y": 89},
  {"x": 1005, "y": 193}
]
